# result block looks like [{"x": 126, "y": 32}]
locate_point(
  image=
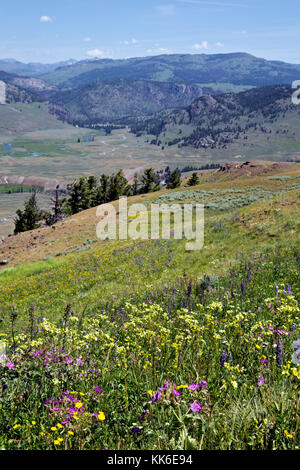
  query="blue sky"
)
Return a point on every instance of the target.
[{"x": 54, "y": 30}]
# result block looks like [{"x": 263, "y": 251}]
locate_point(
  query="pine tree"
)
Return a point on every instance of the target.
[
  {"x": 135, "y": 185},
  {"x": 118, "y": 186},
  {"x": 29, "y": 218},
  {"x": 80, "y": 197},
  {"x": 93, "y": 186},
  {"x": 150, "y": 182},
  {"x": 175, "y": 181},
  {"x": 104, "y": 183},
  {"x": 194, "y": 180}
]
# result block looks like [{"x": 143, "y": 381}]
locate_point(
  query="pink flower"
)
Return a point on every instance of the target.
[
  {"x": 10, "y": 365},
  {"x": 79, "y": 362},
  {"x": 194, "y": 387},
  {"x": 196, "y": 406},
  {"x": 175, "y": 392},
  {"x": 261, "y": 381}
]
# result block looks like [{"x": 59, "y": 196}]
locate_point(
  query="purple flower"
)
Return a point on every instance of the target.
[
  {"x": 193, "y": 387},
  {"x": 196, "y": 406},
  {"x": 10, "y": 365},
  {"x": 165, "y": 386},
  {"x": 261, "y": 381},
  {"x": 176, "y": 393},
  {"x": 279, "y": 353},
  {"x": 143, "y": 415},
  {"x": 98, "y": 389},
  {"x": 136, "y": 430},
  {"x": 203, "y": 384},
  {"x": 79, "y": 362},
  {"x": 225, "y": 358},
  {"x": 156, "y": 397}
]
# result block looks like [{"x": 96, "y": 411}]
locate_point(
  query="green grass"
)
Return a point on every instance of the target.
[
  {"x": 133, "y": 387},
  {"x": 14, "y": 188},
  {"x": 145, "y": 320}
]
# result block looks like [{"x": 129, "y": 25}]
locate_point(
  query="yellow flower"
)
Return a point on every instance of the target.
[
  {"x": 17, "y": 426},
  {"x": 79, "y": 405},
  {"x": 289, "y": 435},
  {"x": 150, "y": 392},
  {"x": 58, "y": 441},
  {"x": 59, "y": 426},
  {"x": 101, "y": 416},
  {"x": 33, "y": 423},
  {"x": 53, "y": 428},
  {"x": 70, "y": 433},
  {"x": 182, "y": 386}
]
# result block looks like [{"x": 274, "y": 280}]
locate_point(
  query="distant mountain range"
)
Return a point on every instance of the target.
[
  {"x": 217, "y": 71},
  {"x": 135, "y": 90},
  {"x": 32, "y": 69}
]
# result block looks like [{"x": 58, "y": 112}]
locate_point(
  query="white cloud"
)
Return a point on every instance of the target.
[
  {"x": 99, "y": 53},
  {"x": 126, "y": 43},
  {"x": 166, "y": 10},
  {"x": 46, "y": 19},
  {"x": 220, "y": 44},
  {"x": 87, "y": 39},
  {"x": 95, "y": 53},
  {"x": 198, "y": 47},
  {"x": 159, "y": 50}
]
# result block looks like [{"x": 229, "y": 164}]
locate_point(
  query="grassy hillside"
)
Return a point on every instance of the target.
[
  {"x": 143, "y": 345},
  {"x": 23, "y": 117}
]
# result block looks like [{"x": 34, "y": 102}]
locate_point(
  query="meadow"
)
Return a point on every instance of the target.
[{"x": 143, "y": 345}]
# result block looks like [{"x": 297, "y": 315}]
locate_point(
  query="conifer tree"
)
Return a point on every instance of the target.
[
  {"x": 135, "y": 185},
  {"x": 29, "y": 218},
  {"x": 175, "y": 180},
  {"x": 80, "y": 197},
  {"x": 150, "y": 182},
  {"x": 194, "y": 180},
  {"x": 118, "y": 186}
]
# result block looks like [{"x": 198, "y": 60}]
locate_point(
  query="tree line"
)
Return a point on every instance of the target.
[{"x": 87, "y": 192}]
